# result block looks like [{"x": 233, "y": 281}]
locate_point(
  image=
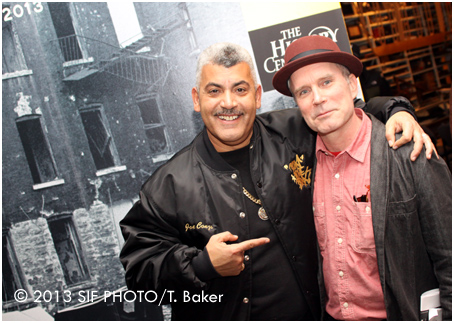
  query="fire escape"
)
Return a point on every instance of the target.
[{"x": 143, "y": 62}]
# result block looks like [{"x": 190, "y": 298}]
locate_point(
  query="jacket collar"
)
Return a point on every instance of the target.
[{"x": 210, "y": 156}]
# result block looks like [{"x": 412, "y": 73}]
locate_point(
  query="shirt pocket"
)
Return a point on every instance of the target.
[
  {"x": 363, "y": 231},
  {"x": 320, "y": 224}
]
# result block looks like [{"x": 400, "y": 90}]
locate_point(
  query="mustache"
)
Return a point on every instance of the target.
[{"x": 226, "y": 112}]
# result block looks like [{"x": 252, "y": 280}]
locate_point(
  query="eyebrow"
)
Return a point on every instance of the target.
[
  {"x": 219, "y": 85},
  {"x": 212, "y": 84},
  {"x": 324, "y": 77},
  {"x": 241, "y": 83}
]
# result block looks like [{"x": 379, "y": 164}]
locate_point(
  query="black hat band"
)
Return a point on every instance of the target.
[{"x": 309, "y": 52}]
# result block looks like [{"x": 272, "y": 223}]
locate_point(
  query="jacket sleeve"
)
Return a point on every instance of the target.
[
  {"x": 434, "y": 187},
  {"x": 383, "y": 107},
  {"x": 153, "y": 255}
]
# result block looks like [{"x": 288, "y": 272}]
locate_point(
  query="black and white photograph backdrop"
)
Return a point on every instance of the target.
[{"x": 96, "y": 96}]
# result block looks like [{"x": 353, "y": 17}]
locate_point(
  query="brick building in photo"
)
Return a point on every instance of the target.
[{"x": 96, "y": 96}]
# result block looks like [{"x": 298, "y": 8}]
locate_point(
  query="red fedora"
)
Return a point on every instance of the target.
[{"x": 309, "y": 50}]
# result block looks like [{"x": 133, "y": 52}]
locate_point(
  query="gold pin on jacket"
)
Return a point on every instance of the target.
[{"x": 300, "y": 174}]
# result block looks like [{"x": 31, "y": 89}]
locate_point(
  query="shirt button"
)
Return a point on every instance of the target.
[
  {"x": 345, "y": 304},
  {"x": 246, "y": 257},
  {"x": 339, "y": 240},
  {"x": 233, "y": 176},
  {"x": 259, "y": 185},
  {"x": 341, "y": 273},
  {"x": 242, "y": 215},
  {"x": 338, "y": 208},
  {"x": 313, "y": 208},
  {"x": 251, "y": 146},
  {"x": 367, "y": 209},
  {"x": 337, "y": 176},
  {"x": 245, "y": 300}
]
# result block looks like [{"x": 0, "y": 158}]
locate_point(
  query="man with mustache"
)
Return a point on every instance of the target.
[
  {"x": 224, "y": 230},
  {"x": 383, "y": 222}
]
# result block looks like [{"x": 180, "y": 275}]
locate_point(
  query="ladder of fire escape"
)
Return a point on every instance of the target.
[{"x": 142, "y": 61}]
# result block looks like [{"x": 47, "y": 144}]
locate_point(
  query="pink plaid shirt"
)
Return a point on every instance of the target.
[{"x": 344, "y": 229}]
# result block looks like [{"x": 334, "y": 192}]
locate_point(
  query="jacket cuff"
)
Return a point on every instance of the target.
[
  {"x": 398, "y": 104},
  {"x": 203, "y": 267},
  {"x": 383, "y": 107},
  {"x": 398, "y": 108}
]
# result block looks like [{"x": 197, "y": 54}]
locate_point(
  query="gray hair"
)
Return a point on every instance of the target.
[
  {"x": 224, "y": 54},
  {"x": 345, "y": 71}
]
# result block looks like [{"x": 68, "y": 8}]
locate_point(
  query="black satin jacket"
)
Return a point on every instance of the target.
[{"x": 197, "y": 194}]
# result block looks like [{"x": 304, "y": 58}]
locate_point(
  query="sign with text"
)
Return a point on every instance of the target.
[{"x": 269, "y": 43}]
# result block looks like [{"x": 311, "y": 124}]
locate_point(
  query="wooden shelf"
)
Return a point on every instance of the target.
[
  {"x": 409, "y": 20},
  {"x": 382, "y": 23},
  {"x": 429, "y": 69},
  {"x": 408, "y": 45}
]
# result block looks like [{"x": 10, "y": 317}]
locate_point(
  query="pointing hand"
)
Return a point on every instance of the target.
[{"x": 228, "y": 259}]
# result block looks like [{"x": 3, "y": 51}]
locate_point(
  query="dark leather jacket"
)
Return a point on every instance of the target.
[{"x": 197, "y": 194}]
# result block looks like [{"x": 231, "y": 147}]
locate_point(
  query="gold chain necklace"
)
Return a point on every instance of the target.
[{"x": 261, "y": 213}]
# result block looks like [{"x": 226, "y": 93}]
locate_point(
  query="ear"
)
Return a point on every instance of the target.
[
  {"x": 353, "y": 85},
  {"x": 195, "y": 99},
  {"x": 258, "y": 97}
]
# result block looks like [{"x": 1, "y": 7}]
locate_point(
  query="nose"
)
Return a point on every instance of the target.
[
  {"x": 228, "y": 100},
  {"x": 318, "y": 97}
]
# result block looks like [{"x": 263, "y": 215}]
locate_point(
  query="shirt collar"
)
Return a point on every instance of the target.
[
  {"x": 358, "y": 148},
  {"x": 209, "y": 154}
]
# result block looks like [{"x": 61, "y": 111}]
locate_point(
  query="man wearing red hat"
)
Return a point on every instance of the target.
[{"x": 383, "y": 222}]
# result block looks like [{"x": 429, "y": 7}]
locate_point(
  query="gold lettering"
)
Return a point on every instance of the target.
[
  {"x": 199, "y": 226},
  {"x": 189, "y": 227}
]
